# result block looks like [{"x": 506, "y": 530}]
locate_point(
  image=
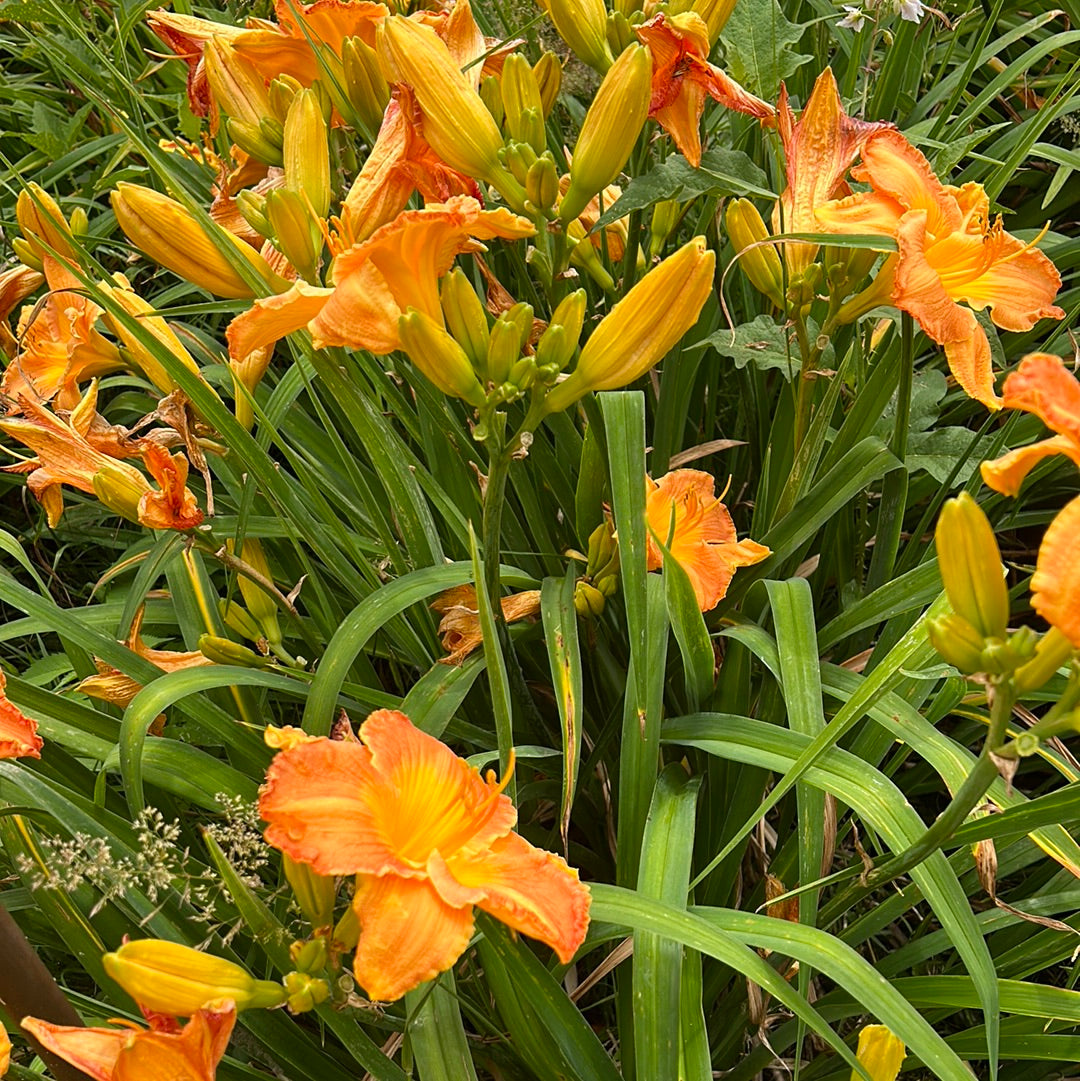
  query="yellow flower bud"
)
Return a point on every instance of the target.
[
  {"x": 236, "y": 618},
  {"x": 548, "y": 72},
  {"x": 559, "y": 342},
  {"x": 880, "y": 1052},
  {"x": 235, "y": 83},
  {"x": 121, "y": 294},
  {"x": 761, "y": 264},
  {"x": 632, "y": 338},
  {"x": 465, "y": 316},
  {"x": 120, "y": 487},
  {"x": 346, "y": 931},
  {"x": 259, "y": 603},
  {"x": 364, "y": 83},
  {"x": 314, "y": 893},
  {"x": 283, "y": 91},
  {"x": 251, "y": 140},
  {"x": 610, "y": 129},
  {"x": 167, "y": 977},
  {"x": 305, "y": 992},
  {"x": 584, "y": 254},
  {"x": 508, "y": 338},
  {"x": 226, "y": 651},
  {"x": 582, "y": 24},
  {"x": 1053, "y": 650},
  {"x": 296, "y": 232},
  {"x": 588, "y": 600},
  {"x": 163, "y": 230},
  {"x": 439, "y": 357},
  {"x": 713, "y": 13},
  {"x": 40, "y": 218},
  {"x": 25, "y": 253},
  {"x": 309, "y": 955},
  {"x": 542, "y": 182},
  {"x": 491, "y": 96},
  {"x": 252, "y": 207},
  {"x": 520, "y": 93},
  {"x": 457, "y": 124},
  {"x": 665, "y": 216},
  {"x": 970, "y": 564},
  {"x": 958, "y": 642},
  {"x": 306, "y": 152}
]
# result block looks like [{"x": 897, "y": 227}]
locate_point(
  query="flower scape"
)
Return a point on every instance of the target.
[{"x": 539, "y": 542}]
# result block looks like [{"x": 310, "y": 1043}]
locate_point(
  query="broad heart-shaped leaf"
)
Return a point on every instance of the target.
[
  {"x": 762, "y": 342},
  {"x": 759, "y": 46},
  {"x": 722, "y": 172}
]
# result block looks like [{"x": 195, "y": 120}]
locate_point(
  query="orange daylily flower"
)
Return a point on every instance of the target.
[
  {"x": 1055, "y": 585},
  {"x": 682, "y": 77},
  {"x": 704, "y": 541},
  {"x": 1044, "y": 386},
  {"x": 173, "y": 506},
  {"x": 428, "y": 839},
  {"x": 16, "y": 284},
  {"x": 459, "y": 627},
  {"x": 400, "y": 162},
  {"x": 18, "y": 733},
  {"x": 949, "y": 254},
  {"x": 126, "y": 1052},
  {"x": 398, "y": 267},
  {"x": 818, "y": 150},
  {"x": 187, "y": 36}
]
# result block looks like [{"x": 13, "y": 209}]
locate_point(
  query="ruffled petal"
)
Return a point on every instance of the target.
[
  {"x": 18, "y": 733},
  {"x": 970, "y": 362},
  {"x": 190, "y": 1055},
  {"x": 408, "y": 934},
  {"x": 271, "y": 318},
  {"x": 868, "y": 212},
  {"x": 1055, "y": 585},
  {"x": 1007, "y": 473},
  {"x": 1044, "y": 386},
  {"x": 174, "y": 506},
  {"x": 530, "y": 890}
]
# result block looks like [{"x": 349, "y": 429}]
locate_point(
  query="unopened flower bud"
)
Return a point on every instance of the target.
[
  {"x": 273, "y": 130},
  {"x": 310, "y": 955},
  {"x": 542, "y": 182},
  {"x": 761, "y": 264},
  {"x": 610, "y": 129},
  {"x": 250, "y": 139},
  {"x": 880, "y": 1052},
  {"x": 665, "y": 216},
  {"x": 25, "y": 253},
  {"x": 491, "y": 96},
  {"x": 306, "y": 152},
  {"x": 602, "y": 559},
  {"x": 584, "y": 254},
  {"x": 582, "y": 24},
  {"x": 559, "y": 342},
  {"x": 296, "y": 232},
  {"x": 346, "y": 931},
  {"x": 620, "y": 33},
  {"x": 259, "y": 603},
  {"x": 164, "y": 230},
  {"x": 120, "y": 487},
  {"x": 520, "y": 158},
  {"x": 283, "y": 89},
  {"x": 80, "y": 222},
  {"x": 508, "y": 338},
  {"x": 439, "y": 357},
  {"x": 588, "y": 600},
  {"x": 631, "y": 339},
  {"x": 465, "y": 316},
  {"x": 226, "y": 651},
  {"x": 305, "y": 992},
  {"x": 236, "y": 84},
  {"x": 970, "y": 564},
  {"x": 1053, "y": 651},
  {"x": 368, "y": 91},
  {"x": 252, "y": 207},
  {"x": 237, "y": 618},
  {"x": 41, "y": 219},
  {"x": 959, "y": 643},
  {"x": 167, "y": 977},
  {"x": 520, "y": 94},
  {"x": 548, "y": 72}
]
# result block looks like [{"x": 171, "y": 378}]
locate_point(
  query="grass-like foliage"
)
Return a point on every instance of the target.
[{"x": 531, "y": 545}]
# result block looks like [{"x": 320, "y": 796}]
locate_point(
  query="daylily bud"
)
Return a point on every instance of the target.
[
  {"x": 1053, "y": 650},
  {"x": 465, "y": 316},
  {"x": 588, "y": 600},
  {"x": 120, "y": 488},
  {"x": 631, "y": 338},
  {"x": 880, "y": 1052},
  {"x": 24, "y": 252},
  {"x": 522, "y": 374},
  {"x": 520, "y": 93},
  {"x": 585, "y": 255},
  {"x": 508, "y": 338},
  {"x": 306, "y": 151},
  {"x": 250, "y": 139},
  {"x": 310, "y": 955},
  {"x": 252, "y": 206},
  {"x": 559, "y": 342},
  {"x": 665, "y": 216},
  {"x": 166, "y": 977},
  {"x": 439, "y": 357},
  {"x": 282, "y": 91},
  {"x": 631, "y": 7},
  {"x": 364, "y": 82},
  {"x": 40, "y": 218},
  {"x": 259, "y": 603},
  {"x": 971, "y": 568},
  {"x": 548, "y": 72},
  {"x": 305, "y": 992},
  {"x": 713, "y": 13},
  {"x": 603, "y": 554},
  {"x": 610, "y": 129},
  {"x": 346, "y": 931},
  {"x": 761, "y": 264},
  {"x": 520, "y": 158},
  {"x": 162, "y": 229},
  {"x": 237, "y": 618},
  {"x": 314, "y": 893},
  {"x": 296, "y": 233},
  {"x": 958, "y": 642},
  {"x": 620, "y": 33},
  {"x": 273, "y": 130},
  {"x": 80, "y": 222},
  {"x": 235, "y": 83},
  {"x": 457, "y": 124},
  {"x": 542, "y": 182},
  {"x": 582, "y": 24},
  {"x": 226, "y": 651},
  {"x": 491, "y": 96}
]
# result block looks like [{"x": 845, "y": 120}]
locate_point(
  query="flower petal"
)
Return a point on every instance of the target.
[
  {"x": 1007, "y": 473},
  {"x": 408, "y": 934},
  {"x": 1043, "y": 385},
  {"x": 971, "y": 364},
  {"x": 190, "y": 1055},
  {"x": 92, "y": 1050},
  {"x": 18, "y": 733},
  {"x": 530, "y": 890},
  {"x": 868, "y": 212},
  {"x": 271, "y": 318},
  {"x": 1055, "y": 585}
]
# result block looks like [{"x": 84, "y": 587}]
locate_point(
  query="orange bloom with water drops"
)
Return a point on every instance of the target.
[
  {"x": 18, "y": 733},
  {"x": 1044, "y": 386},
  {"x": 682, "y": 78},
  {"x": 428, "y": 839},
  {"x": 126, "y": 1052},
  {"x": 685, "y": 515},
  {"x": 951, "y": 257}
]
